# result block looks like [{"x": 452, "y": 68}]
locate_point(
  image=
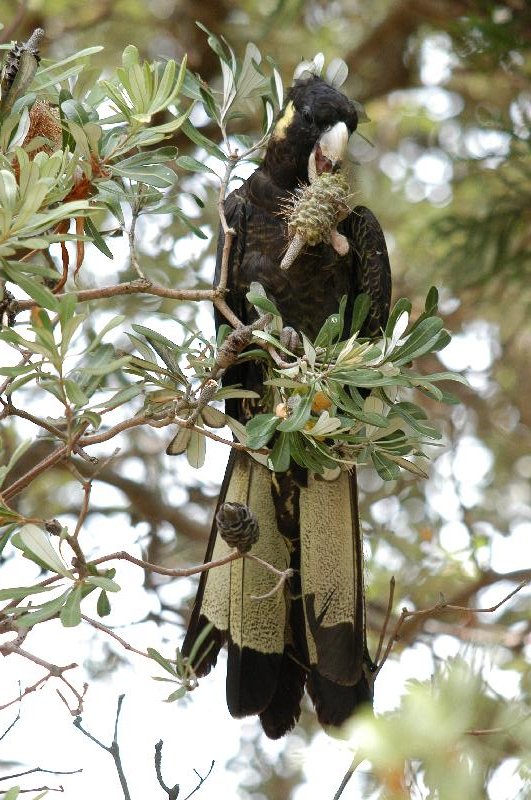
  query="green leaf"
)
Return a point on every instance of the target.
[
  {"x": 97, "y": 239},
  {"x": 37, "y": 542},
  {"x": 362, "y": 306},
  {"x": 179, "y": 443},
  {"x": 212, "y": 417},
  {"x": 74, "y": 393},
  {"x": 196, "y": 450},
  {"x": 13, "y": 372},
  {"x": 12, "y": 793},
  {"x": 67, "y": 308},
  {"x": 103, "y": 606},
  {"x": 420, "y": 341},
  {"x": 398, "y": 309},
  {"x": 193, "y": 165},
  {"x": 332, "y": 327},
  {"x": 279, "y": 458},
  {"x": 260, "y": 429},
  {"x": 386, "y": 469},
  {"x": 201, "y": 141},
  {"x": 20, "y": 592},
  {"x": 157, "y": 175},
  {"x": 299, "y": 415},
  {"x": 112, "y": 323},
  {"x": 46, "y": 611},
  {"x": 103, "y": 583},
  {"x": 37, "y": 291},
  {"x": 198, "y": 641},
  {"x": 71, "y": 611},
  {"x": 121, "y": 397},
  {"x": 161, "y": 661},
  {"x": 176, "y": 695},
  {"x": 263, "y": 303},
  {"x": 109, "y": 366}
]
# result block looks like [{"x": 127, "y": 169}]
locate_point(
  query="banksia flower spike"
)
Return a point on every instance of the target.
[{"x": 313, "y": 214}]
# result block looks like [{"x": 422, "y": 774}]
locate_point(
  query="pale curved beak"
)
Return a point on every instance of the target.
[{"x": 329, "y": 151}]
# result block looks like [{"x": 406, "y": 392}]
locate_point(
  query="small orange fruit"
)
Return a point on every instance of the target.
[{"x": 321, "y": 402}]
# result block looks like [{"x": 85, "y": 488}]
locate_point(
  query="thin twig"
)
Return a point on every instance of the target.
[
  {"x": 386, "y": 620},
  {"x": 40, "y": 769},
  {"x": 201, "y": 780},
  {"x": 135, "y": 211},
  {"x": 437, "y": 608},
  {"x": 173, "y": 792},
  {"x": 210, "y": 435},
  {"x": 113, "y": 748},
  {"x": 105, "y": 629},
  {"x": 133, "y": 287},
  {"x": 10, "y": 726},
  {"x": 283, "y": 574},
  {"x": 122, "y": 555}
]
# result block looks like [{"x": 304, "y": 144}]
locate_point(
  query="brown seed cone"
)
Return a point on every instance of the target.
[
  {"x": 44, "y": 121},
  {"x": 238, "y": 526}
]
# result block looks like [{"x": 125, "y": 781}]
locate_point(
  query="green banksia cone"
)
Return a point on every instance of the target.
[
  {"x": 237, "y": 525},
  {"x": 313, "y": 214}
]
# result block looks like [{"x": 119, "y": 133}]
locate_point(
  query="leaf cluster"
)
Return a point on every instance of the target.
[{"x": 342, "y": 402}]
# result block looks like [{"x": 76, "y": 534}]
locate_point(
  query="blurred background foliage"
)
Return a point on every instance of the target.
[{"x": 444, "y": 163}]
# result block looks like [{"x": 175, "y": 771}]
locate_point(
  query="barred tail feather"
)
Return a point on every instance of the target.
[{"x": 312, "y": 632}]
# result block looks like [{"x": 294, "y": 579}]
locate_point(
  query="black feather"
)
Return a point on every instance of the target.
[{"x": 316, "y": 646}]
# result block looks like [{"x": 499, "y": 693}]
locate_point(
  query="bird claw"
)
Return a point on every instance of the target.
[{"x": 289, "y": 338}]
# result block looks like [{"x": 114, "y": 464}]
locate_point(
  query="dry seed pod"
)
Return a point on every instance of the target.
[
  {"x": 313, "y": 214},
  {"x": 237, "y": 526},
  {"x": 44, "y": 122}
]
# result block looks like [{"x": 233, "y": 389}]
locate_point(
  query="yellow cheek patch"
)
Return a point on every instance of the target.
[{"x": 284, "y": 121}]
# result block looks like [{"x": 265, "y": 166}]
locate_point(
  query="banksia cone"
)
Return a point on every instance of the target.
[
  {"x": 313, "y": 214},
  {"x": 44, "y": 121},
  {"x": 237, "y": 525}
]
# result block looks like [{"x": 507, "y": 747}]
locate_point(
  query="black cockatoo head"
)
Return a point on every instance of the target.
[{"x": 312, "y": 129}]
